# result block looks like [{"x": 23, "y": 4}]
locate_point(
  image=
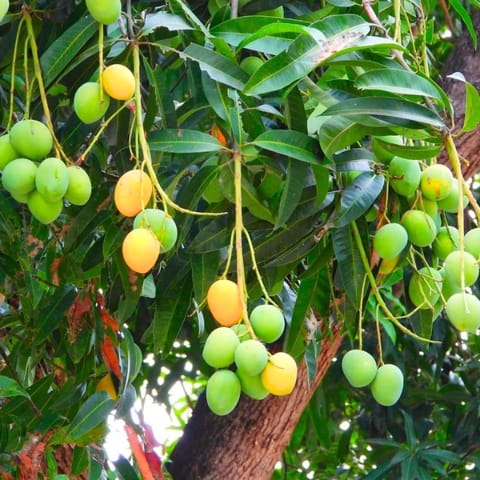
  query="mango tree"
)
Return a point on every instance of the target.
[{"x": 262, "y": 201}]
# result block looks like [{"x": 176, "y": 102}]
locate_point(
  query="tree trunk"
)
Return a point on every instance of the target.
[
  {"x": 464, "y": 58},
  {"x": 246, "y": 444}
]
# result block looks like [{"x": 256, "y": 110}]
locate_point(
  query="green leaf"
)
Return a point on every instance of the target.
[
  {"x": 213, "y": 236},
  {"x": 53, "y": 311},
  {"x": 158, "y": 81},
  {"x": 93, "y": 412},
  {"x": 472, "y": 108},
  {"x": 399, "y": 82},
  {"x": 112, "y": 240},
  {"x": 295, "y": 339},
  {"x": 339, "y": 132},
  {"x": 303, "y": 55},
  {"x": 204, "y": 272},
  {"x": 216, "y": 95},
  {"x": 311, "y": 354},
  {"x": 65, "y": 47},
  {"x": 164, "y": 20},
  {"x": 277, "y": 29},
  {"x": 252, "y": 201},
  {"x": 413, "y": 152},
  {"x": 378, "y": 473},
  {"x": 133, "y": 355},
  {"x": 358, "y": 197},
  {"x": 124, "y": 469},
  {"x": 292, "y": 191},
  {"x": 235, "y": 118},
  {"x": 218, "y": 67},
  {"x": 182, "y": 140},
  {"x": 10, "y": 388},
  {"x": 271, "y": 42},
  {"x": 394, "y": 108},
  {"x": 313, "y": 292},
  {"x": 148, "y": 287},
  {"x": 467, "y": 20},
  {"x": 81, "y": 459},
  {"x": 290, "y": 143},
  {"x": 352, "y": 272},
  {"x": 171, "y": 310},
  {"x": 353, "y": 159}
]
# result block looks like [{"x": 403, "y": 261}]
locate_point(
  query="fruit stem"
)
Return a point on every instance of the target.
[
  {"x": 147, "y": 157},
  {"x": 379, "y": 336},
  {"x": 457, "y": 169},
  {"x": 28, "y": 83},
  {"x": 398, "y": 21},
  {"x": 268, "y": 299},
  {"x": 229, "y": 256},
  {"x": 95, "y": 138},
  {"x": 12, "y": 79},
  {"x": 376, "y": 291},
  {"x": 360, "y": 314},
  {"x": 100, "y": 59},
  {"x": 241, "y": 281},
  {"x": 234, "y": 9},
  {"x": 471, "y": 198},
  {"x": 41, "y": 86}
]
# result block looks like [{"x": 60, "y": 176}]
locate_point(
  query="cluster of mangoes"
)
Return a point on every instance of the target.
[
  {"x": 237, "y": 351},
  {"x": 33, "y": 177},
  {"x": 444, "y": 262},
  {"x": 386, "y": 381},
  {"x": 154, "y": 231},
  {"x": 453, "y": 265}
]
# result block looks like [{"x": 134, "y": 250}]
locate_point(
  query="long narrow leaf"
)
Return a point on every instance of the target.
[
  {"x": 64, "y": 49},
  {"x": 396, "y": 108},
  {"x": 93, "y": 412},
  {"x": 10, "y": 388},
  {"x": 358, "y": 197},
  {"x": 397, "y": 81},
  {"x": 182, "y": 140},
  {"x": 304, "y": 54},
  {"x": 218, "y": 67},
  {"x": 291, "y": 144},
  {"x": 352, "y": 271}
]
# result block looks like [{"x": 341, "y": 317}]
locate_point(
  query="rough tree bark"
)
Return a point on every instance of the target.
[
  {"x": 465, "y": 59},
  {"x": 252, "y": 438}
]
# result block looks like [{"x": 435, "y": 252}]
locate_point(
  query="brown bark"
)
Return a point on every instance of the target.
[
  {"x": 465, "y": 59},
  {"x": 246, "y": 444}
]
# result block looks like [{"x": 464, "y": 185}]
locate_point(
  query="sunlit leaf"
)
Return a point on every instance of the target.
[
  {"x": 472, "y": 108},
  {"x": 164, "y": 20},
  {"x": 397, "y": 81},
  {"x": 302, "y": 56},
  {"x": 466, "y": 19},
  {"x": 272, "y": 41}
]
